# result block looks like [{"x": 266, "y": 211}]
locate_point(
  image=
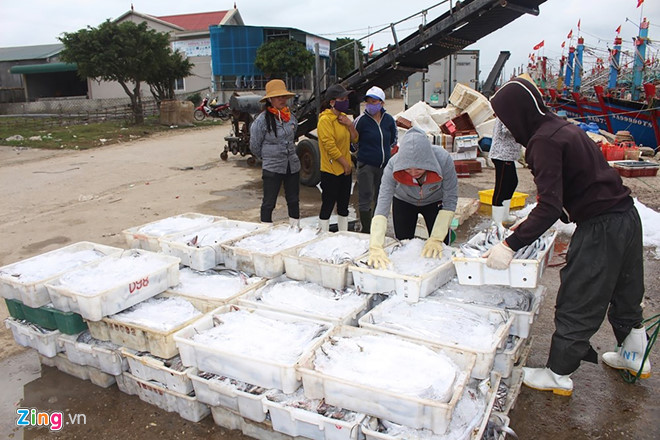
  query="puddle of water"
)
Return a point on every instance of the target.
[{"x": 17, "y": 371}]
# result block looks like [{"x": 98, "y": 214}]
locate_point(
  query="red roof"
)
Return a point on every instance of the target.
[{"x": 195, "y": 22}]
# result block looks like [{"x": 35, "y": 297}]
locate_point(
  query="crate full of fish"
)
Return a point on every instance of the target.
[
  {"x": 507, "y": 356},
  {"x": 83, "y": 349},
  {"x": 325, "y": 260},
  {"x": 221, "y": 391},
  {"x": 468, "y": 422},
  {"x": 260, "y": 252},
  {"x": 201, "y": 249},
  {"x": 419, "y": 385},
  {"x": 147, "y": 236},
  {"x": 170, "y": 373},
  {"x": 147, "y": 326},
  {"x": 525, "y": 269},
  {"x": 83, "y": 372},
  {"x": 257, "y": 346},
  {"x": 25, "y": 280},
  {"x": 298, "y": 416},
  {"x": 409, "y": 274},
  {"x": 186, "y": 405},
  {"x": 522, "y": 304},
  {"x": 31, "y": 335},
  {"x": 212, "y": 288},
  {"x": 112, "y": 284},
  {"x": 459, "y": 326},
  {"x": 310, "y": 300}
]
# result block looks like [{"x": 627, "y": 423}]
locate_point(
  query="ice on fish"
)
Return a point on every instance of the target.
[
  {"x": 217, "y": 284},
  {"x": 406, "y": 258},
  {"x": 441, "y": 322},
  {"x": 336, "y": 249},
  {"x": 162, "y": 314},
  {"x": 298, "y": 400},
  {"x": 214, "y": 234},
  {"x": 175, "y": 224},
  {"x": 250, "y": 334},
  {"x": 276, "y": 239},
  {"x": 502, "y": 297},
  {"x": 87, "y": 338},
  {"x": 389, "y": 363},
  {"x": 49, "y": 264},
  {"x": 236, "y": 384}
]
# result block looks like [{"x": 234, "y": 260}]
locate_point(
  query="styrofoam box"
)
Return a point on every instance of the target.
[
  {"x": 522, "y": 319},
  {"x": 93, "y": 307},
  {"x": 308, "y": 424},
  {"x": 150, "y": 368},
  {"x": 34, "y": 294},
  {"x": 480, "y": 111},
  {"x": 251, "y": 369},
  {"x": 186, "y": 406},
  {"x": 25, "y": 335},
  {"x": 136, "y": 238},
  {"x": 221, "y": 394},
  {"x": 206, "y": 304},
  {"x": 83, "y": 372},
  {"x": 411, "y": 288},
  {"x": 505, "y": 359},
  {"x": 258, "y": 263},
  {"x": 138, "y": 337},
  {"x": 208, "y": 256},
  {"x": 253, "y": 299},
  {"x": 411, "y": 411},
  {"x": 521, "y": 273},
  {"x": 484, "y": 357},
  {"x": 105, "y": 359}
]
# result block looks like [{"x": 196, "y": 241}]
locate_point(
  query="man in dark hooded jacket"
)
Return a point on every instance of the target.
[{"x": 604, "y": 265}]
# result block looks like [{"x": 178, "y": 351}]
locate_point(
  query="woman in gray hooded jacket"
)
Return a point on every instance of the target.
[{"x": 419, "y": 179}]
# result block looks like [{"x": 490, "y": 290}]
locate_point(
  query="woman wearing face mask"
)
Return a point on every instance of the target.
[
  {"x": 336, "y": 132},
  {"x": 377, "y": 135}
]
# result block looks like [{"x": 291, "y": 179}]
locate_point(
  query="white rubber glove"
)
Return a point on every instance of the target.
[
  {"x": 499, "y": 256},
  {"x": 433, "y": 246},
  {"x": 377, "y": 256}
]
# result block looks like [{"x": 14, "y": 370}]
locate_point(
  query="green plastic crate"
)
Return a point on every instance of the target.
[
  {"x": 15, "y": 308},
  {"x": 68, "y": 323},
  {"x": 41, "y": 316}
]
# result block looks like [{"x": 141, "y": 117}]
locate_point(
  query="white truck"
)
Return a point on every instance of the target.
[{"x": 435, "y": 86}]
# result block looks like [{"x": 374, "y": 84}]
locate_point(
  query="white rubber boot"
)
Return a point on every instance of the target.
[
  {"x": 324, "y": 225},
  {"x": 629, "y": 356},
  {"x": 342, "y": 223},
  {"x": 499, "y": 214},
  {"x": 545, "y": 379},
  {"x": 294, "y": 222},
  {"x": 266, "y": 223},
  {"x": 508, "y": 218}
]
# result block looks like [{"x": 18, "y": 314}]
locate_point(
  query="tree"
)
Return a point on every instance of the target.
[
  {"x": 127, "y": 53},
  {"x": 282, "y": 57},
  {"x": 161, "y": 83},
  {"x": 345, "y": 55}
]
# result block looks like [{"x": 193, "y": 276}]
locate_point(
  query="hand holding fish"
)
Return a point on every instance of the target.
[{"x": 499, "y": 256}]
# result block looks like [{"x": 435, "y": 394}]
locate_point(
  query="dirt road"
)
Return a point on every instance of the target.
[{"x": 51, "y": 199}]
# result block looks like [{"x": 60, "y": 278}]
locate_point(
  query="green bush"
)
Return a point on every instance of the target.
[{"x": 195, "y": 98}]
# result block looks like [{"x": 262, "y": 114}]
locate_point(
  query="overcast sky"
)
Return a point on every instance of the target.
[{"x": 33, "y": 22}]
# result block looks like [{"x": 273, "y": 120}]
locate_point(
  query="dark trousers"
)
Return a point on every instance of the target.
[
  {"x": 335, "y": 190},
  {"x": 604, "y": 275},
  {"x": 404, "y": 217},
  {"x": 272, "y": 183},
  {"x": 506, "y": 181}
]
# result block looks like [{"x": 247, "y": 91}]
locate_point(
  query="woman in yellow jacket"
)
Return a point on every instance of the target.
[{"x": 336, "y": 132}]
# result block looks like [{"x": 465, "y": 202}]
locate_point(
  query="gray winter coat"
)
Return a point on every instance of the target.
[
  {"x": 504, "y": 146},
  {"x": 276, "y": 152},
  {"x": 440, "y": 184}
]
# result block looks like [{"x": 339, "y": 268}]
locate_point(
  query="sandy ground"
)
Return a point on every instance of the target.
[{"x": 54, "y": 198}]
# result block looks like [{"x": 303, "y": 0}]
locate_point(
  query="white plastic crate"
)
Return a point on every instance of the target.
[
  {"x": 227, "y": 418},
  {"x": 147, "y": 236},
  {"x": 150, "y": 368},
  {"x": 514, "y": 383},
  {"x": 252, "y": 369},
  {"x": 138, "y": 337},
  {"x": 220, "y": 391},
  {"x": 521, "y": 273},
  {"x": 506, "y": 358},
  {"x": 267, "y": 265},
  {"x": 411, "y": 411},
  {"x": 105, "y": 356},
  {"x": 186, "y": 406},
  {"x": 480, "y": 111},
  {"x": 330, "y": 275},
  {"x": 485, "y": 357},
  {"x": 411, "y": 288},
  {"x": 16, "y": 283},
  {"x": 314, "y": 311},
  {"x": 119, "y": 295},
  {"x": 462, "y": 96},
  {"x": 28, "y": 335},
  {"x": 83, "y": 372},
  {"x": 263, "y": 431},
  {"x": 299, "y": 422},
  {"x": 207, "y": 252}
]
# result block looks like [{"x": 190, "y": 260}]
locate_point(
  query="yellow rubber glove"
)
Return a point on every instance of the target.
[
  {"x": 499, "y": 256},
  {"x": 377, "y": 256},
  {"x": 433, "y": 246}
]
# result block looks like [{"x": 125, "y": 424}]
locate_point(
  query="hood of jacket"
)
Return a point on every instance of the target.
[{"x": 415, "y": 151}]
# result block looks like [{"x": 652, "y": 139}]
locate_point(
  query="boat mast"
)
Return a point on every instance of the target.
[
  {"x": 569, "y": 69},
  {"x": 615, "y": 56},
  {"x": 577, "y": 79},
  {"x": 640, "y": 55}
]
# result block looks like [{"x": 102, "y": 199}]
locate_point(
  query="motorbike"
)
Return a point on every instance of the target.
[{"x": 212, "y": 110}]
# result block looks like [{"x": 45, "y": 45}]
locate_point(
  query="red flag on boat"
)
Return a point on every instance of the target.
[
  {"x": 618, "y": 30},
  {"x": 563, "y": 44},
  {"x": 540, "y": 45},
  {"x": 639, "y": 3},
  {"x": 371, "y": 48},
  {"x": 578, "y": 24},
  {"x": 570, "y": 35}
]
